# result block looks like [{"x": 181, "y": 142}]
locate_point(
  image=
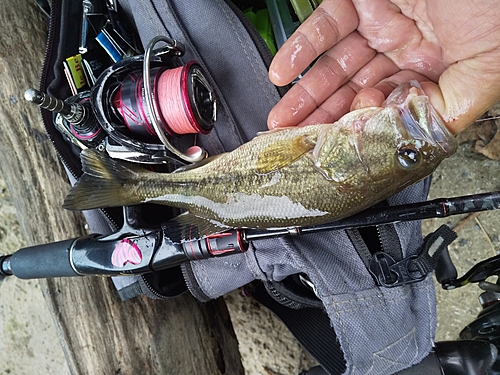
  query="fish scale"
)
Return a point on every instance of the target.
[
  {"x": 245, "y": 196},
  {"x": 291, "y": 177}
]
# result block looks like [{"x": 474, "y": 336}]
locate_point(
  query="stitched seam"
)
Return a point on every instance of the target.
[
  {"x": 258, "y": 72},
  {"x": 345, "y": 349},
  {"x": 379, "y": 299},
  {"x": 395, "y": 298},
  {"x": 152, "y": 15},
  {"x": 430, "y": 287}
]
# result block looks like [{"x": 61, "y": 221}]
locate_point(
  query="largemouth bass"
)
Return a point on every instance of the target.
[{"x": 291, "y": 177}]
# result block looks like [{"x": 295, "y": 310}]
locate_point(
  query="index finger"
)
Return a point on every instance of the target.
[{"x": 331, "y": 22}]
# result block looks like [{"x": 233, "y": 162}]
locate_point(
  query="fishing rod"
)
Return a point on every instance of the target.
[{"x": 137, "y": 251}]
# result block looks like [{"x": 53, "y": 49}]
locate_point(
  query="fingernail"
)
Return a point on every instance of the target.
[
  {"x": 356, "y": 105},
  {"x": 272, "y": 124},
  {"x": 274, "y": 76}
]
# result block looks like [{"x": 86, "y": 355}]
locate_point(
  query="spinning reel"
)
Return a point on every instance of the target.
[{"x": 138, "y": 105}]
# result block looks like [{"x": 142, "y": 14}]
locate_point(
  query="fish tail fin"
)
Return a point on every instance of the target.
[{"x": 102, "y": 184}]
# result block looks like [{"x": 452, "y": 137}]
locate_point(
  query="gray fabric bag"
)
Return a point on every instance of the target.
[{"x": 380, "y": 330}]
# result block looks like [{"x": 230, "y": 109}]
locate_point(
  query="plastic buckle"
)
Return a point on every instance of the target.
[{"x": 390, "y": 273}]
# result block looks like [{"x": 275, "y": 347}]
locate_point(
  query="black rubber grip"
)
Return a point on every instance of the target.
[
  {"x": 445, "y": 269},
  {"x": 43, "y": 261}
]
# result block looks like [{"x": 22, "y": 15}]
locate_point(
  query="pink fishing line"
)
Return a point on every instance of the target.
[{"x": 171, "y": 91}]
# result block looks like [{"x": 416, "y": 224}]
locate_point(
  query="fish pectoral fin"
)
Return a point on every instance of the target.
[
  {"x": 280, "y": 154},
  {"x": 187, "y": 226}
]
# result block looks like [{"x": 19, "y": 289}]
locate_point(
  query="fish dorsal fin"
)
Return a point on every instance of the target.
[
  {"x": 98, "y": 164},
  {"x": 280, "y": 154},
  {"x": 275, "y": 130},
  {"x": 187, "y": 226},
  {"x": 103, "y": 183},
  {"x": 199, "y": 164}
]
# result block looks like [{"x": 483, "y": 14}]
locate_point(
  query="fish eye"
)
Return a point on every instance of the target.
[{"x": 409, "y": 157}]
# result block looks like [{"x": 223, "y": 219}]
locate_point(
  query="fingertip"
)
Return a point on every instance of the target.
[
  {"x": 454, "y": 123},
  {"x": 432, "y": 90},
  {"x": 291, "y": 59},
  {"x": 275, "y": 75},
  {"x": 271, "y": 122},
  {"x": 275, "y": 119},
  {"x": 368, "y": 97}
]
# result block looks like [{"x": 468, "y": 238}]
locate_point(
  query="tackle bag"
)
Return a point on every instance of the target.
[{"x": 324, "y": 286}]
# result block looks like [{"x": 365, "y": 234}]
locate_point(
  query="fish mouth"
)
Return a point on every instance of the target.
[{"x": 420, "y": 118}]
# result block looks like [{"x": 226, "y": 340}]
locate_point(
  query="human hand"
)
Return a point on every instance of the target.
[{"x": 368, "y": 47}]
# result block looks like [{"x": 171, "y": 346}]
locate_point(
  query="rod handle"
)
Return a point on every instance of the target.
[{"x": 43, "y": 261}]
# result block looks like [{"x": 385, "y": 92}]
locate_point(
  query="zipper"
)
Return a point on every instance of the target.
[
  {"x": 389, "y": 241},
  {"x": 370, "y": 240},
  {"x": 60, "y": 145},
  {"x": 63, "y": 149},
  {"x": 173, "y": 277},
  {"x": 360, "y": 245},
  {"x": 152, "y": 290}
]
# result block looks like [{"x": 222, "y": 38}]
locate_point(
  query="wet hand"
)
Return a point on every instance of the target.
[{"x": 367, "y": 47}]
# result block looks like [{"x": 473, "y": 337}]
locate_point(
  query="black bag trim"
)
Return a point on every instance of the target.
[{"x": 311, "y": 327}]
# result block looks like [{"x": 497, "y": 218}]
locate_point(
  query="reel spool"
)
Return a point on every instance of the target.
[
  {"x": 182, "y": 104},
  {"x": 143, "y": 101}
]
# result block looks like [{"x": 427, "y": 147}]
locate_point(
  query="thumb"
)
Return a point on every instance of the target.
[{"x": 464, "y": 92}]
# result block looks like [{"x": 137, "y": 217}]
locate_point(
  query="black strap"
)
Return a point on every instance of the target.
[
  {"x": 311, "y": 327},
  {"x": 390, "y": 273}
]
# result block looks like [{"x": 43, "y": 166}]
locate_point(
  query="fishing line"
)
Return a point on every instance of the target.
[
  {"x": 137, "y": 105},
  {"x": 130, "y": 104},
  {"x": 174, "y": 101},
  {"x": 487, "y": 118},
  {"x": 183, "y": 102}
]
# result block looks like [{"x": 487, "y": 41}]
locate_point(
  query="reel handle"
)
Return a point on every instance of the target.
[
  {"x": 74, "y": 118},
  {"x": 74, "y": 113}
]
